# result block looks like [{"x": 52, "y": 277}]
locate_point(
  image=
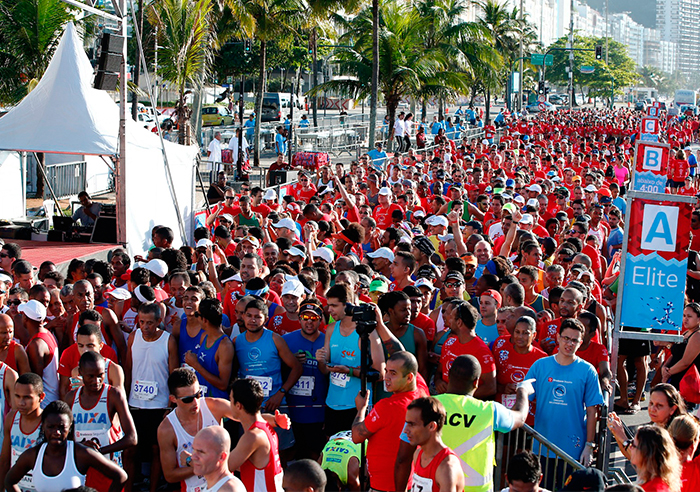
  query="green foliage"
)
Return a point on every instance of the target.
[
  {"x": 620, "y": 66},
  {"x": 29, "y": 34}
]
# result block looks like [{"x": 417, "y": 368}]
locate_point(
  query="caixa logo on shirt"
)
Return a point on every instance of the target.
[
  {"x": 254, "y": 353},
  {"x": 277, "y": 320}
]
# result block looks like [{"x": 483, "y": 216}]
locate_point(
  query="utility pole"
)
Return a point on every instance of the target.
[
  {"x": 571, "y": 56},
  {"x": 520, "y": 69},
  {"x": 137, "y": 70},
  {"x": 121, "y": 160},
  {"x": 607, "y": 26}
]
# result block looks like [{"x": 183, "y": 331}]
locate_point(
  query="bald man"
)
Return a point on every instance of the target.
[
  {"x": 210, "y": 450},
  {"x": 11, "y": 352}
]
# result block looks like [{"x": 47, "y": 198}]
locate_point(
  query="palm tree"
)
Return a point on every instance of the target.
[
  {"x": 266, "y": 20},
  {"x": 29, "y": 34},
  {"x": 404, "y": 62},
  {"x": 465, "y": 45},
  {"x": 186, "y": 38},
  {"x": 505, "y": 28}
]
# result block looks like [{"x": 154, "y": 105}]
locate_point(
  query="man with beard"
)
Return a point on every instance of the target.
[
  {"x": 570, "y": 306},
  {"x": 382, "y": 259}
]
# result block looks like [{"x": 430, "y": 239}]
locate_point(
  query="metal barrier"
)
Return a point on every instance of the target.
[
  {"x": 66, "y": 179},
  {"x": 528, "y": 439}
]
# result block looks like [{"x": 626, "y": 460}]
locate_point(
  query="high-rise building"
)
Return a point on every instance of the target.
[{"x": 677, "y": 21}]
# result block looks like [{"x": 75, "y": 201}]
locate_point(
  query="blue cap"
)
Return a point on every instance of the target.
[{"x": 510, "y": 183}]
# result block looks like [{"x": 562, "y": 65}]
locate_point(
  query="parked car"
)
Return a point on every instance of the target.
[
  {"x": 216, "y": 115},
  {"x": 640, "y": 106},
  {"x": 558, "y": 99}
]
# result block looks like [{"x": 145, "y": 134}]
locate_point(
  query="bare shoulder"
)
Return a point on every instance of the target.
[{"x": 233, "y": 485}]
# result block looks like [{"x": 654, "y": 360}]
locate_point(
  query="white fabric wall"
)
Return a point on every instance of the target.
[{"x": 11, "y": 189}]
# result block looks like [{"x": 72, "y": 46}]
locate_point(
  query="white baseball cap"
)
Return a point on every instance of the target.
[
  {"x": 294, "y": 251},
  {"x": 288, "y": 223},
  {"x": 293, "y": 287},
  {"x": 383, "y": 252},
  {"x": 519, "y": 199},
  {"x": 535, "y": 187},
  {"x": 591, "y": 189},
  {"x": 385, "y": 191},
  {"x": 419, "y": 213},
  {"x": 203, "y": 243},
  {"x": 533, "y": 202},
  {"x": 33, "y": 309},
  {"x": 436, "y": 220},
  {"x": 527, "y": 219},
  {"x": 324, "y": 253},
  {"x": 424, "y": 282},
  {"x": 119, "y": 293},
  {"x": 157, "y": 267}
]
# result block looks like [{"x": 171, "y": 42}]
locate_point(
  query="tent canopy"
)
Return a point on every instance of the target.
[
  {"x": 68, "y": 115},
  {"x": 65, "y": 114}
]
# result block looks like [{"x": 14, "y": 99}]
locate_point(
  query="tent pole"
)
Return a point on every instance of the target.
[
  {"x": 168, "y": 174},
  {"x": 42, "y": 169},
  {"x": 121, "y": 159}
]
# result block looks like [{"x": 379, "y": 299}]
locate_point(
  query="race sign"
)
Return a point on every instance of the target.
[
  {"x": 655, "y": 263},
  {"x": 652, "y": 111},
  {"x": 650, "y": 125},
  {"x": 651, "y": 162}
]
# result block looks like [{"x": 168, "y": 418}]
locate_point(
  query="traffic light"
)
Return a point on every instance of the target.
[
  {"x": 247, "y": 45},
  {"x": 540, "y": 87},
  {"x": 311, "y": 45},
  {"x": 109, "y": 62},
  {"x": 598, "y": 52}
]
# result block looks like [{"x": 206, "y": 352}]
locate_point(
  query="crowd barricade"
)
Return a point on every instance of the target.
[{"x": 65, "y": 179}]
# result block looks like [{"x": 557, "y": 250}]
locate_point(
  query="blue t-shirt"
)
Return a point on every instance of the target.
[
  {"x": 621, "y": 204},
  {"x": 307, "y": 397},
  {"x": 250, "y": 128},
  {"x": 280, "y": 144},
  {"x": 614, "y": 239},
  {"x": 563, "y": 393},
  {"x": 435, "y": 128},
  {"x": 488, "y": 333},
  {"x": 304, "y": 123},
  {"x": 378, "y": 158}
]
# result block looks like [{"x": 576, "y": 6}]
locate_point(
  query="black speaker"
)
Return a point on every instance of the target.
[
  {"x": 282, "y": 177},
  {"x": 110, "y": 62},
  {"x": 106, "y": 81},
  {"x": 111, "y": 43},
  {"x": 105, "y": 230}
]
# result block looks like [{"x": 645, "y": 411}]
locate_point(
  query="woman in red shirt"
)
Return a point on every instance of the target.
[
  {"x": 654, "y": 455},
  {"x": 685, "y": 432}
]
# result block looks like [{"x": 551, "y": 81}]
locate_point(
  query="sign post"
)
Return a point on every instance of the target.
[
  {"x": 653, "y": 268},
  {"x": 651, "y": 161}
]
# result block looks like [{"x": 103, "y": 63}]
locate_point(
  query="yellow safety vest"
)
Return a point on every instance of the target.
[{"x": 468, "y": 431}]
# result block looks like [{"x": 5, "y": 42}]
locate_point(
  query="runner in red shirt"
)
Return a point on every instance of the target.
[
  {"x": 256, "y": 455},
  {"x": 514, "y": 355},
  {"x": 382, "y": 212},
  {"x": 436, "y": 467},
  {"x": 381, "y": 428},
  {"x": 465, "y": 341}
]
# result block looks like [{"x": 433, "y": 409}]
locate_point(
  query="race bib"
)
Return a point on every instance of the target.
[
  {"x": 145, "y": 390},
  {"x": 421, "y": 484},
  {"x": 265, "y": 382},
  {"x": 304, "y": 387},
  {"x": 340, "y": 379},
  {"x": 509, "y": 401}
]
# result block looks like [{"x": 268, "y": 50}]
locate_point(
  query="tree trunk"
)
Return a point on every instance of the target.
[
  {"x": 441, "y": 108},
  {"x": 424, "y": 109},
  {"x": 375, "y": 77},
  {"x": 180, "y": 112},
  {"x": 314, "y": 70},
  {"x": 487, "y": 115},
  {"x": 258, "y": 103}
]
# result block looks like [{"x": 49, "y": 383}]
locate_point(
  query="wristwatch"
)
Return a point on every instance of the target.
[
  {"x": 591, "y": 444},
  {"x": 627, "y": 443},
  {"x": 283, "y": 391},
  {"x": 188, "y": 461}
]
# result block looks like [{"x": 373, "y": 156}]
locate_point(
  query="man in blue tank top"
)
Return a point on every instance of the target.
[
  {"x": 260, "y": 353},
  {"x": 306, "y": 398}
]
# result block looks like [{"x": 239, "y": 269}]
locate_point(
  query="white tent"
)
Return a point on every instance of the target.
[{"x": 64, "y": 114}]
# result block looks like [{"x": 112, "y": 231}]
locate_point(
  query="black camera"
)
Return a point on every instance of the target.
[{"x": 363, "y": 316}]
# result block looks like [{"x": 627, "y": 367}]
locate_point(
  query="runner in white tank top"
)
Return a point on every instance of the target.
[
  {"x": 149, "y": 371},
  {"x": 184, "y": 442},
  {"x": 69, "y": 478},
  {"x": 94, "y": 423},
  {"x": 20, "y": 443}
]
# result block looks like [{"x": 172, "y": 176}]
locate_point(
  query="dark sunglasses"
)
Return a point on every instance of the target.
[
  {"x": 189, "y": 399},
  {"x": 4, "y": 255},
  {"x": 309, "y": 317},
  {"x": 229, "y": 198},
  {"x": 16, "y": 302}
]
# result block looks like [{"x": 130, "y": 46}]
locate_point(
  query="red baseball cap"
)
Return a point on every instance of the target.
[{"x": 494, "y": 295}]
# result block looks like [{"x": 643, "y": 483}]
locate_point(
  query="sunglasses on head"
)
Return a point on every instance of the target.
[{"x": 189, "y": 399}]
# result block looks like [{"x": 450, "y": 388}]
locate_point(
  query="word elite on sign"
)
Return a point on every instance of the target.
[{"x": 653, "y": 277}]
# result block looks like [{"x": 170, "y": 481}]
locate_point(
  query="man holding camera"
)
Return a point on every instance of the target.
[{"x": 340, "y": 357}]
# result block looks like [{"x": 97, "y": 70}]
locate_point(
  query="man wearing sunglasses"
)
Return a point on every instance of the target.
[
  {"x": 305, "y": 411},
  {"x": 227, "y": 206},
  {"x": 9, "y": 253}
]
